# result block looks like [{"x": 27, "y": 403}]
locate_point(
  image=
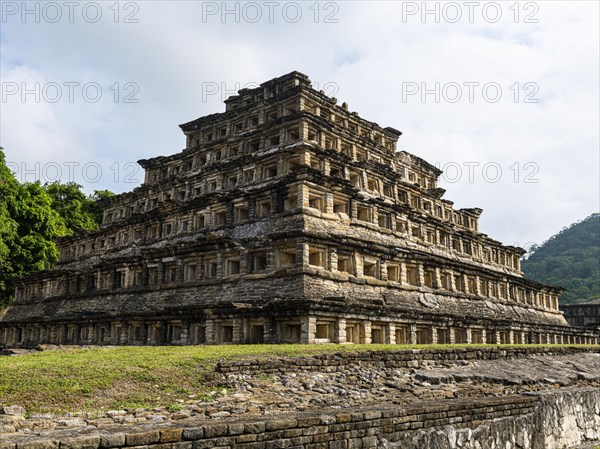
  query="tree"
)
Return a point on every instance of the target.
[
  {"x": 95, "y": 208},
  {"x": 8, "y": 226},
  {"x": 38, "y": 225},
  {"x": 27, "y": 228},
  {"x": 32, "y": 216},
  {"x": 77, "y": 210}
]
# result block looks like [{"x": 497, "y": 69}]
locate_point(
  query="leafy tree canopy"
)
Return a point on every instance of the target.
[
  {"x": 77, "y": 210},
  {"x": 570, "y": 259},
  {"x": 32, "y": 216},
  {"x": 94, "y": 208}
]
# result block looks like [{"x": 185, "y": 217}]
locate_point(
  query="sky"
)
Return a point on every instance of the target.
[{"x": 503, "y": 96}]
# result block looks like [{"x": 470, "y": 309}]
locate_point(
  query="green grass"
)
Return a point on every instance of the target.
[{"x": 97, "y": 379}]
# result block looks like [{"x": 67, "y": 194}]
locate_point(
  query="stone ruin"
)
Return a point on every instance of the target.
[
  {"x": 586, "y": 314},
  {"x": 286, "y": 219}
]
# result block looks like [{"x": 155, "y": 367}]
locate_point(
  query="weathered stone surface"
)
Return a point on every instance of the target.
[
  {"x": 81, "y": 442},
  {"x": 39, "y": 443},
  {"x": 170, "y": 435},
  {"x": 13, "y": 410},
  {"x": 285, "y": 208},
  {"x": 7, "y": 445},
  {"x": 193, "y": 433},
  {"x": 446, "y": 399},
  {"x": 345, "y": 380},
  {"x": 585, "y": 313},
  {"x": 142, "y": 437},
  {"x": 112, "y": 439}
]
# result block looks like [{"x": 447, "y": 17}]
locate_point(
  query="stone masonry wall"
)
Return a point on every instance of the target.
[
  {"x": 406, "y": 358},
  {"x": 156, "y": 303},
  {"x": 539, "y": 421},
  {"x": 561, "y": 419},
  {"x": 569, "y": 417}
]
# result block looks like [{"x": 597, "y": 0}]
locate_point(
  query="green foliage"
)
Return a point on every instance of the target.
[
  {"x": 8, "y": 226},
  {"x": 32, "y": 216},
  {"x": 570, "y": 259},
  {"x": 174, "y": 408},
  {"x": 77, "y": 210},
  {"x": 94, "y": 208},
  {"x": 33, "y": 248},
  {"x": 28, "y": 225}
]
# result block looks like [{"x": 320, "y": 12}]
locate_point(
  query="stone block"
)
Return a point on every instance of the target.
[
  {"x": 112, "y": 439},
  {"x": 307, "y": 421},
  {"x": 142, "y": 438},
  {"x": 13, "y": 410},
  {"x": 193, "y": 433},
  {"x": 205, "y": 444},
  {"x": 278, "y": 444},
  {"x": 235, "y": 429},
  {"x": 254, "y": 427},
  {"x": 171, "y": 435},
  {"x": 182, "y": 445},
  {"x": 215, "y": 430},
  {"x": 41, "y": 443},
  {"x": 81, "y": 442},
  {"x": 279, "y": 424},
  {"x": 246, "y": 438}
]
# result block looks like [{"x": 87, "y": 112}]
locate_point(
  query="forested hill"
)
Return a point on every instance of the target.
[{"x": 570, "y": 259}]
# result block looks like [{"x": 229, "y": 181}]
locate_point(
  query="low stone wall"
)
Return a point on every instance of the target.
[
  {"x": 406, "y": 358},
  {"x": 569, "y": 417},
  {"x": 538, "y": 421},
  {"x": 560, "y": 419}
]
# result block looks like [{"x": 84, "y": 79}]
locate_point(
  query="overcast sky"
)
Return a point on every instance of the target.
[{"x": 503, "y": 96}]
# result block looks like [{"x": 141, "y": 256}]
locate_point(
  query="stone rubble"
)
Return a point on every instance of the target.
[{"x": 256, "y": 394}]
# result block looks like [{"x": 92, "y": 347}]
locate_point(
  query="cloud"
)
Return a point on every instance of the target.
[{"x": 368, "y": 58}]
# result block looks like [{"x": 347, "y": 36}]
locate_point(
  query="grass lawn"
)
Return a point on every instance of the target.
[{"x": 105, "y": 378}]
